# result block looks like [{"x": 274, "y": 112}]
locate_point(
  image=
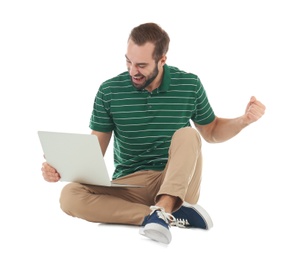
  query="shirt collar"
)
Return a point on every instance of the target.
[{"x": 164, "y": 86}]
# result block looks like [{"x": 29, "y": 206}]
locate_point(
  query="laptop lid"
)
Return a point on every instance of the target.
[{"x": 77, "y": 157}]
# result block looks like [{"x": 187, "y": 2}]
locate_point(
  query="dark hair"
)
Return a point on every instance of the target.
[{"x": 151, "y": 32}]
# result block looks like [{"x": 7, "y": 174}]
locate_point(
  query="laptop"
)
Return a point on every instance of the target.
[{"x": 77, "y": 158}]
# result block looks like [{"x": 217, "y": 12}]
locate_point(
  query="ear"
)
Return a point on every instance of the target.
[{"x": 163, "y": 60}]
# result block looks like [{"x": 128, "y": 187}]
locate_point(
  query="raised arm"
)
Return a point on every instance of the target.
[{"x": 223, "y": 129}]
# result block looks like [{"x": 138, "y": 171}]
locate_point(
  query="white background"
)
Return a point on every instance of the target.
[{"x": 53, "y": 57}]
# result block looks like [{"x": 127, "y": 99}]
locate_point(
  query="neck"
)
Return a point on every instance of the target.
[{"x": 156, "y": 83}]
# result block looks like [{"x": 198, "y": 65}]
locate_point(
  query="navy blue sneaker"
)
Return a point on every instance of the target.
[
  {"x": 156, "y": 225},
  {"x": 192, "y": 216}
]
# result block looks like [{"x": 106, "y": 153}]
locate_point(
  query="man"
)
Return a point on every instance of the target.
[{"x": 149, "y": 109}]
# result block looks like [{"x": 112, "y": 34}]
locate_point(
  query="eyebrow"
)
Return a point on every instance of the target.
[{"x": 138, "y": 64}]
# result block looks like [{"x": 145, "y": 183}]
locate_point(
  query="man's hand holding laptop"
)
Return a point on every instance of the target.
[{"x": 49, "y": 173}]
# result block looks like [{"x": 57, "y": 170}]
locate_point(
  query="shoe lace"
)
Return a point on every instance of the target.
[
  {"x": 178, "y": 222},
  {"x": 167, "y": 217}
]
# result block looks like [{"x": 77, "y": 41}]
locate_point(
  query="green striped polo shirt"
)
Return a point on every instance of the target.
[{"x": 144, "y": 122}]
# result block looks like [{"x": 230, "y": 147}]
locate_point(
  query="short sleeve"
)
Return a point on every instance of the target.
[
  {"x": 203, "y": 113},
  {"x": 101, "y": 119}
]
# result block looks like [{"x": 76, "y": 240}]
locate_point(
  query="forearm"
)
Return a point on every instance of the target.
[
  {"x": 224, "y": 129},
  {"x": 104, "y": 139}
]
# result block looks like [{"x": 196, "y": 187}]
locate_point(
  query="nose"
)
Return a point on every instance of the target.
[{"x": 132, "y": 69}]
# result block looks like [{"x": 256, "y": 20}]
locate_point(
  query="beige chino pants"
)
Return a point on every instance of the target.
[{"x": 180, "y": 178}]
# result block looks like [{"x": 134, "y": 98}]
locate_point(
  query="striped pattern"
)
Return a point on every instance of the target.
[{"x": 143, "y": 122}]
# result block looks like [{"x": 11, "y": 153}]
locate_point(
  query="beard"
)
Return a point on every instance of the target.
[{"x": 147, "y": 80}]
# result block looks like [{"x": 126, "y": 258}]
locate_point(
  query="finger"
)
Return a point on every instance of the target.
[
  {"x": 255, "y": 105},
  {"x": 260, "y": 105},
  {"x": 252, "y": 99},
  {"x": 50, "y": 177},
  {"x": 48, "y": 167},
  {"x": 255, "y": 112}
]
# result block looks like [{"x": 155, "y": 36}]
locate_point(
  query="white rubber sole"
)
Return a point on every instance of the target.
[{"x": 156, "y": 232}]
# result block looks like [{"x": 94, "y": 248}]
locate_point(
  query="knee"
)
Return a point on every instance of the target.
[
  {"x": 188, "y": 134},
  {"x": 68, "y": 198}
]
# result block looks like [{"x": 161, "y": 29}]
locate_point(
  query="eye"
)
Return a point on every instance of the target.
[{"x": 141, "y": 66}]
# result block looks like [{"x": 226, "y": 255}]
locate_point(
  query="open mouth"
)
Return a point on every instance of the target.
[{"x": 138, "y": 79}]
